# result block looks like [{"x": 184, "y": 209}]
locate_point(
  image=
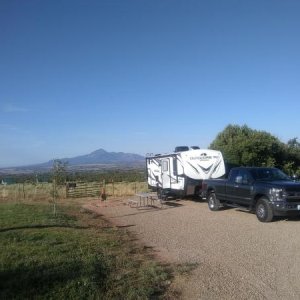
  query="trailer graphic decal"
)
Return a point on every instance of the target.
[
  {"x": 193, "y": 167},
  {"x": 205, "y": 170}
]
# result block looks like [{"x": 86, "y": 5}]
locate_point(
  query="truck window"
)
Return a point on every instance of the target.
[
  {"x": 268, "y": 174},
  {"x": 245, "y": 176},
  {"x": 233, "y": 174}
]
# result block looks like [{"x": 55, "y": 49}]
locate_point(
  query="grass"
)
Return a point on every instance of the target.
[
  {"x": 72, "y": 255},
  {"x": 43, "y": 191}
]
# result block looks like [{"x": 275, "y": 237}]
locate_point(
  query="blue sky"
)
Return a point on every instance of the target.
[{"x": 143, "y": 76}]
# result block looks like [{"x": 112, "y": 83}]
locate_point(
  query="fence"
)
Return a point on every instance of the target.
[
  {"x": 44, "y": 191},
  {"x": 29, "y": 191},
  {"x": 84, "y": 189}
]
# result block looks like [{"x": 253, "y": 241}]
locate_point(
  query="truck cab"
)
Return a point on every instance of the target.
[{"x": 266, "y": 191}]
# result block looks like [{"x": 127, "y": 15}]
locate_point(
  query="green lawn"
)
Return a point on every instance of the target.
[{"x": 71, "y": 255}]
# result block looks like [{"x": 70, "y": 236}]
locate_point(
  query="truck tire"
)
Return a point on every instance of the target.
[
  {"x": 213, "y": 203},
  {"x": 263, "y": 210}
]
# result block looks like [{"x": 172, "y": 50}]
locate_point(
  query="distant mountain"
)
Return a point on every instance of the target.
[
  {"x": 101, "y": 156},
  {"x": 99, "y": 159}
]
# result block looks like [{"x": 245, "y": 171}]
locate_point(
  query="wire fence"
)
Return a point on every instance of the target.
[{"x": 44, "y": 191}]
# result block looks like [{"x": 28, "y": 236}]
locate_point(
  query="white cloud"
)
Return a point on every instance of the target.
[
  {"x": 8, "y": 127},
  {"x": 5, "y": 127},
  {"x": 11, "y": 108},
  {"x": 140, "y": 133}
]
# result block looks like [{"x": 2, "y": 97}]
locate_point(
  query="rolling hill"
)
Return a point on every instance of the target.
[{"x": 96, "y": 160}]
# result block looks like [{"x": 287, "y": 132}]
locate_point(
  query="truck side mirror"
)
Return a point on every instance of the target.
[{"x": 239, "y": 179}]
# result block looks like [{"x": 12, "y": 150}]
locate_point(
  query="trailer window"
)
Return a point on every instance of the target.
[
  {"x": 165, "y": 166},
  {"x": 175, "y": 171}
]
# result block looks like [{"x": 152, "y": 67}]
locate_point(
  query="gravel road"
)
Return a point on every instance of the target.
[{"x": 236, "y": 256}]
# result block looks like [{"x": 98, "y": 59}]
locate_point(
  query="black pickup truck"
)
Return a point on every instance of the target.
[{"x": 266, "y": 191}]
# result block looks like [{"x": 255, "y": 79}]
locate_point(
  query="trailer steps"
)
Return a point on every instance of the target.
[{"x": 146, "y": 200}]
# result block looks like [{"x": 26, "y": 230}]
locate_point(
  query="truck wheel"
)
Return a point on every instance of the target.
[
  {"x": 213, "y": 202},
  {"x": 264, "y": 210}
]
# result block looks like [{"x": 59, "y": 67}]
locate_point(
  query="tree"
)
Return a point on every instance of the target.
[
  {"x": 293, "y": 144},
  {"x": 244, "y": 146},
  {"x": 59, "y": 173},
  {"x": 292, "y": 163}
]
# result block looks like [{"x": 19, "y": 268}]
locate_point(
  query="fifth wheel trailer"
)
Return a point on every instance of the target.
[{"x": 181, "y": 172}]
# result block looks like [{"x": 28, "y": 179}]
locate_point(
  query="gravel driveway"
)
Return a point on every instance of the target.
[{"x": 237, "y": 257}]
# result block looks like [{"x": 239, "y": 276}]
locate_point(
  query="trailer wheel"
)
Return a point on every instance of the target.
[
  {"x": 213, "y": 203},
  {"x": 160, "y": 194},
  {"x": 264, "y": 212}
]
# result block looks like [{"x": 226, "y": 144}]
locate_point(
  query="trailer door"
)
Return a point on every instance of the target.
[{"x": 165, "y": 173}]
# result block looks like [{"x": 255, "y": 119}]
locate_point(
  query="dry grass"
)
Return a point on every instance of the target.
[
  {"x": 44, "y": 191},
  {"x": 121, "y": 189},
  {"x": 29, "y": 192}
]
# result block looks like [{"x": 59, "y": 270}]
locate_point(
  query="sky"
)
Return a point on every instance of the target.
[{"x": 143, "y": 76}]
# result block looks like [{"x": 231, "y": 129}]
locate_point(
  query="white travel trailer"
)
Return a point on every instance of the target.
[{"x": 181, "y": 173}]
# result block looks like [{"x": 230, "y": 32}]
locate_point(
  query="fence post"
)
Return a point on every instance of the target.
[
  {"x": 67, "y": 189},
  {"x": 19, "y": 192},
  {"x": 35, "y": 189},
  {"x": 113, "y": 187},
  {"x": 24, "y": 191},
  {"x": 100, "y": 189},
  {"x": 103, "y": 194},
  {"x": 54, "y": 196}
]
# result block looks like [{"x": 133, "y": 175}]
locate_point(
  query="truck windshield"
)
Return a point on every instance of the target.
[{"x": 268, "y": 174}]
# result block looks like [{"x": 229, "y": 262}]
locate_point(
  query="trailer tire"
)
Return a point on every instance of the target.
[
  {"x": 161, "y": 194},
  {"x": 213, "y": 203},
  {"x": 263, "y": 210}
]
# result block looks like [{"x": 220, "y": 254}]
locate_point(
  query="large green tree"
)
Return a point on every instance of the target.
[
  {"x": 292, "y": 157},
  {"x": 244, "y": 146}
]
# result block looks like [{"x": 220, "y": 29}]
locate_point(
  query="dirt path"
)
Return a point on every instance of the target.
[{"x": 237, "y": 257}]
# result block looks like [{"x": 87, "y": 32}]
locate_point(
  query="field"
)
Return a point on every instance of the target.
[
  {"x": 72, "y": 254},
  {"x": 44, "y": 191}
]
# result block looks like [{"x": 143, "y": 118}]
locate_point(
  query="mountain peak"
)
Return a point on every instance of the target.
[
  {"x": 101, "y": 156},
  {"x": 98, "y": 152}
]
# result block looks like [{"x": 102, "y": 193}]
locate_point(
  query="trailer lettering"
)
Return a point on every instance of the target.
[{"x": 201, "y": 158}]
